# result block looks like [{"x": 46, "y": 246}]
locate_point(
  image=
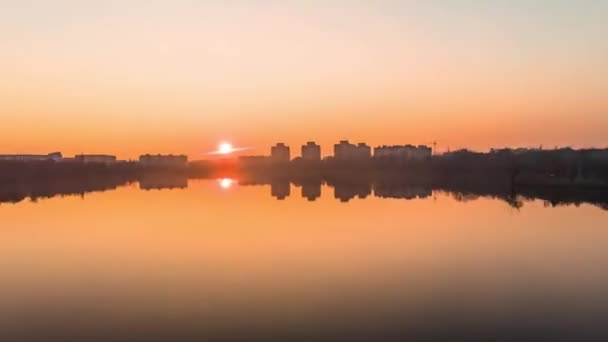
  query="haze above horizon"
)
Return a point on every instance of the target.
[{"x": 132, "y": 77}]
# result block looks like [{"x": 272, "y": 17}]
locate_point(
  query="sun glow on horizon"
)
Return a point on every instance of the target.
[{"x": 226, "y": 148}]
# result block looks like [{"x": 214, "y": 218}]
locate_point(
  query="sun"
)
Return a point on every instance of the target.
[{"x": 225, "y": 148}]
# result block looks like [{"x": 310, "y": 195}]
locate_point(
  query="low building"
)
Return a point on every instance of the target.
[
  {"x": 163, "y": 160},
  {"x": 311, "y": 152},
  {"x": 55, "y": 156},
  {"x": 96, "y": 158},
  {"x": 402, "y": 152},
  {"x": 280, "y": 153},
  {"x": 513, "y": 151},
  {"x": 423, "y": 152},
  {"x": 600, "y": 155}
]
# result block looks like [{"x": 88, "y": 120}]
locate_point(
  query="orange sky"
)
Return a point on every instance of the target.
[{"x": 132, "y": 77}]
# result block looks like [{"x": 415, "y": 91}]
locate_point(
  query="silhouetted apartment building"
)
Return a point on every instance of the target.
[
  {"x": 363, "y": 151},
  {"x": 403, "y": 153},
  {"x": 95, "y": 158},
  {"x": 163, "y": 160},
  {"x": 311, "y": 152},
  {"x": 346, "y": 151},
  {"x": 280, "y": 153},
  {"x": 55, "y": 156}
]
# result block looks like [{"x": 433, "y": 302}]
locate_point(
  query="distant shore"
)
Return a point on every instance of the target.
[
  {"x": 557, "y": 177},
  {"x": 562, "y": 168}
]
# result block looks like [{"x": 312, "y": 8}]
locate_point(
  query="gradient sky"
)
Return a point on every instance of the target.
[{"x": 134, "y": 76}]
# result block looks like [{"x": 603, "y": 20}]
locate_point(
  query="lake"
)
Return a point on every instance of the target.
[{"x": 220, "y": 260}]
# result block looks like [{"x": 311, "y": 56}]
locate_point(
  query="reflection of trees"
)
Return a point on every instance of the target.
[
  {"x": 158, "y": 181},
  {"x": 41, "y": 189},
  {"x": 38, "y": 180},
  {"x": 19, "y": 181},
  {"x": 555, "y": 197},
  {"x": 392, "y": 188},
  {"x": 511, "y": 199},
  {"x": 464, "y": 197},
  {"x": 515, "y": 202}
]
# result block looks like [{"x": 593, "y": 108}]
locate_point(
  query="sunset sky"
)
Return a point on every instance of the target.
[{"x": 137, "y": 76}]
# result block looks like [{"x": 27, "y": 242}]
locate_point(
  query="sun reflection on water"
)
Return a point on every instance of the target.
[{"x": 226, "y": 183}]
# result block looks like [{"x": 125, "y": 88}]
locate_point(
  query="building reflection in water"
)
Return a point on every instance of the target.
[
  {"x": 311, "y": 190},
  {"x": 345, "y": 191},
  {"x": 280, "y": 189}
]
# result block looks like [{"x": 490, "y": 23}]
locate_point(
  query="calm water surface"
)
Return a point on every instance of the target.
[{"x": 219, "y": 260}]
